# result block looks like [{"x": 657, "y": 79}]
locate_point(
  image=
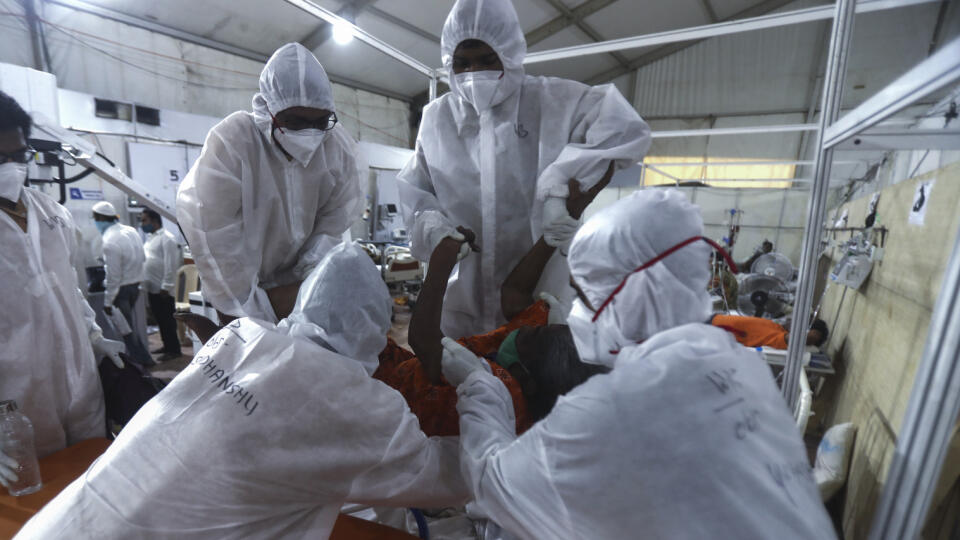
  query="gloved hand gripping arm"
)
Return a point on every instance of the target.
[{"x": 561, "y": 216}]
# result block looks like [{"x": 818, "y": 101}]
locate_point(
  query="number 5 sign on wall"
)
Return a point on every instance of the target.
[{"x": 174, "y": 175}]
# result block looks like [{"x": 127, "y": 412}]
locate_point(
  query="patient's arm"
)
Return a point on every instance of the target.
[
  {"x": 516, "y": 293},
  {"x": 424, "y": 333}
]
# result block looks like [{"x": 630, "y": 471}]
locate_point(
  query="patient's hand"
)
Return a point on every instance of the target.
[
  {"x": 203, "y": 327},
  {"x": 578, "y": 201}
]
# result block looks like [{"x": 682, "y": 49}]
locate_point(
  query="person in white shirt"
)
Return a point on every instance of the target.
[
  {"x": 51, "y": 341},
  {"x": 123, "y": 262},
  {"x": 163, "y": 259},
  {"x": 273, "y": 190}
]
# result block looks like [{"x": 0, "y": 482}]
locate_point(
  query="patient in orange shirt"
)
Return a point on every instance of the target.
[{"x": 759, "y": 332}]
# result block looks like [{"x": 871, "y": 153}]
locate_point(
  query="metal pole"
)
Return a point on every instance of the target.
[
  {"x": 313, "y": 8},
  {"x": 36, "y": 43},
  {"x": 433, "y": 87},
  {"x": 740, "y": 130},
  {"x": 840, "y": 36},
  {"x": 773, "y": 20},
  {"x": 928, "y": 424}
]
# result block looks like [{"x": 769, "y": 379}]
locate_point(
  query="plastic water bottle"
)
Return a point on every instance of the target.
[{"x": 16, "y": 441}]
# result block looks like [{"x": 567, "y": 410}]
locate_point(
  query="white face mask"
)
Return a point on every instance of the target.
[
  {"x": 12, "y": 176},
  {"x": 597, "y": 342},
  {"x": 301, "y": 144},
  {"x": 479, "y": 88}
]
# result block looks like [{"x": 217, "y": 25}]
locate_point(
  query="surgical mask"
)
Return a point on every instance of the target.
[
  {"x": 148, "y": 227},
  {"x": 102, "y": 226},
  {"x": 598, "y": 334},
  {"x": 596, "y": 342},
  {"x": 301, "y": 144},
  {"x": 12, "y": 176},
  {"x": 480, "y": 88}
]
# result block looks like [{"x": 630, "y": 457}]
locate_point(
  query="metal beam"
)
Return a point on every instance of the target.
[
  {"x": 168, "y": 31},
  {"x": 930, "y": 75},
  {"x": 80, "y": 5},
  {"x": 738, "y": 163},
  {"x": 324, "y": 31},
  {"x": 85, "y": 154},
  {"x": 396, "y": 21},
  {"x": 711, "y": 13},
  {"x": 938, "y": 27},
  {"x": 577, "y": 20},
  {"x": 713, "y": 30},
  {"x": 814, "y": 90},
  {"x": 566, "y": 18},
  {"x": 36, "y": 39},
  {"x": 741, "y": 130},
  {"x": 840, "y": 36},
  {"x": 764, "y": 7},
  {"x": 903, "y": 139},
  {"x": 311, "y": 7}
]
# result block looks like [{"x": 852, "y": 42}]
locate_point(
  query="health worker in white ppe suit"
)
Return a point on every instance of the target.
[
  {"x": 123, "y": 264},
  {"x": 270, "y": 189},
  {"x": 686, "y": 437},
  {"x": 496, "y": 155},
  {"x": 51, "y": 341},
  {"x": 268, "y": 432}
]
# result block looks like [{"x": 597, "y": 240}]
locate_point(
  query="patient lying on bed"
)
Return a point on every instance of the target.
[{"x": 759, "y": 332}]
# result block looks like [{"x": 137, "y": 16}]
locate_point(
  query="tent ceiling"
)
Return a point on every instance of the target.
[{"x": 263, "y": 25}]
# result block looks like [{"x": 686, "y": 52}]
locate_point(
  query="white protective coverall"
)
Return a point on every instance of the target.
[
  {"x": 123, "y": 259},
  {"x": 255, "y": 219},
  {"x": 491, "y": 172},
  {"x": 46, "y": 327},
  {"x": 163, "y": 259},
  {"x": 266, "y": 434},
  {"x": 686, "y": 437}
]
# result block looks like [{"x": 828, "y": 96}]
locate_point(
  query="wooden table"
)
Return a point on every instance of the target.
[{"x": 59, "y": 469}]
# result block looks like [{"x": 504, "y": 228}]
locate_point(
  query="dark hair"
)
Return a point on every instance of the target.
[
  {"x": 820, "y": 326},
  {"x": 471, "y": 44},
  {"x": 12, "y": 116},
  {"x": 153, "y": 215},
  {"x": 550, "y": 357}
]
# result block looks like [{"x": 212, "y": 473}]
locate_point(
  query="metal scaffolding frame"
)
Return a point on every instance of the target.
[
  {"x": 840, "y": 37},
  {"x": 713, "y": 30}
]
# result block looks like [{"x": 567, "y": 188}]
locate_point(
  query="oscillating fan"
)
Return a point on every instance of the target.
[
  {"x": 763, "y": 296},
  {"x": 773, "y": 265}
]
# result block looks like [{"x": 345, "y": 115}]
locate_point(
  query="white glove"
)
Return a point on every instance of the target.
[
  {"x": 8, "y": 470},
  {"x": 558, "y": 226},
  {"x": 558, "y": 311},
  {"x": 458, "y": 362},
  {"x": 437, "y": 235},
  {"x": 108, "y": 347}
]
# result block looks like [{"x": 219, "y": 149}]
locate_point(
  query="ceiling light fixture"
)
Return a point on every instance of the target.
[{"x": 342, "y": 33}]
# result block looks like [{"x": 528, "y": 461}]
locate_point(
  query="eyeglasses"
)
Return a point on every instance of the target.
[
  {"x": 24, "y": 155},
  {"x": 296, "y": 123}
]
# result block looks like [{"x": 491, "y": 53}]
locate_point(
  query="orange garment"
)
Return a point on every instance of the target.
[
  {"x": 753, "y": 331},
  {"x": 436, "y": 405}
]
